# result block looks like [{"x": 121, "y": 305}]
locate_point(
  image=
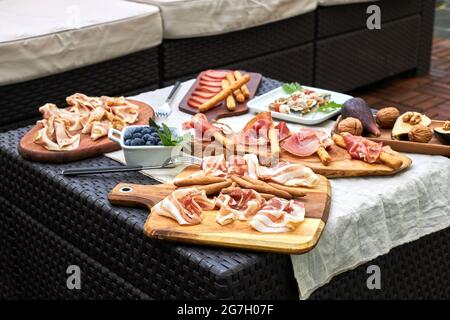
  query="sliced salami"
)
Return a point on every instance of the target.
[
  {"x": 193, "y": 104},
  {"x": 208, "y": 89},
  {"x": 216, "y": 74},
  {"x": 203, "y": 94},
  {"x": 214, "y": 84},
  {"x": 207, "y": 78}
]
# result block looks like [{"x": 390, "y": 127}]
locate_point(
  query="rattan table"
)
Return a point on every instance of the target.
[{"x": 49, "y": 222}]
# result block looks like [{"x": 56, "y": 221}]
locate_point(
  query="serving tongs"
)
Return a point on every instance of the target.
[{"x": 168, "y": 163}]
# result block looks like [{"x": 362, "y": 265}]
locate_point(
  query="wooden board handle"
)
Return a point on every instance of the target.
[{"x": 127, "y": 194}]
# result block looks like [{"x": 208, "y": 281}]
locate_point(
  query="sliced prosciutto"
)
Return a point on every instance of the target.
[
  {"x": 289, "y": 174},
  {"x": 203, "y": 129},
  {"x": 362, "y": 149},
  {"x": 214, "y": 165},
  {"x": 203, "y": 94},
  {"x": 185, "y": 206},
  {"x": 239, "y": 204},
  {"x": 214, "y": 90},
  {"x": 306, "y": 141},
  {"x": 211, "y": 79},
  {"x": 256, "y": 131},
  {"x": 283, "y": 131},
  {"x": 278, "y": 215},
  {"x": 211, "y": 84},
  {"x": 236, "y": 165},
  {"x": 216, "y": 74}
]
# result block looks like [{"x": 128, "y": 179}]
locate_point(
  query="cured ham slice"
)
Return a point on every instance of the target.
[
  {"x": 128, "y": 113},
  {"x": 278, "y": 215},
  {"x": 211, "y": 84},
  {"x": 214, "y": 165},
  {"x": 203, "y": 94},
  {"x": 306, "y": 141},
  {"x": 216, "y": 74},
  {"x": 289, "y": 174},
  {"x": 236, "y": 165},
  {"x": 283, "y": 131},
  {"x": 256, "y": 131},
  {"x": 203, "y": 129},
  {"x": 214, "y": 90},
  {"x": 239, "y": 204},
  {"x": 208, "y": 78},
  {"x": 363, "y": 149},
  {"x": 100, "y": 129},
  {"x": 54, "y": 135},
  {"x": 252, "y": 165},
  {"x": 185, "y": 206}
]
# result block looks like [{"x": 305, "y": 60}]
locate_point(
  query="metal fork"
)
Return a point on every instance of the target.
[
  {"x": 168, "y": 163},
  {"x": 165, "y": 110}
]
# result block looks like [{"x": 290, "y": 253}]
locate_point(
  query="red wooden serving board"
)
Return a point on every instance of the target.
[
  {"x": 87, "y": 148},
  {"x": 221, "y": 110}
]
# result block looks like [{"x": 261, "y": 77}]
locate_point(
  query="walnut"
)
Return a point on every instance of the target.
[
  {"x": 420, "y": 133},
  {"x": 412, "y": 118},
  {"x": 351, "y": 125},
  {"x": 446, "y": 126},
  {"x": 386, "y": 117}
]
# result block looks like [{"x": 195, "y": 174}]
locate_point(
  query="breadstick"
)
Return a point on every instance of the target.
[
  {"x": 197, "y": 180},
  {"x": 244, "y": 88},
  {"x": 294, "y": 191},
  {"x": 223, "y": 94},
  {"x": 387, "y": 159},
  {"x": 274, "y": 144},
  {"x": 230, "y": 188},
  {"x": 267, "y": 196},
  {"x": 221, "y": 138},
  {"x": 260, "y": 188},
  {"x": 214, "y": 188},
  {"x": 390, "y": 160},
  {"x": 237, "y": 93},
  {"x": 231, "y": 104},
  {"x": 324, "y": 156}
]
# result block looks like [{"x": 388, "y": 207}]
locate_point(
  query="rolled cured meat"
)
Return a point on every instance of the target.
[
  {"x": 278, "y": 215},
  {"x": 239, "y": 204},
  {"x": 306, "y": 141},
  {"x": 362, "y": 148},
  {"x": 185, "y": 206}
]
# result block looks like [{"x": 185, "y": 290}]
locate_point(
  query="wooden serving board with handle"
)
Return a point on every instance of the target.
[
  {"x": 434, "y": 146},
  {"x": 221, "y": 110},
  {"x": 87, "y": 148},
  {"x": 342, "y": 165},
  {"x": 237, "y": 234}
]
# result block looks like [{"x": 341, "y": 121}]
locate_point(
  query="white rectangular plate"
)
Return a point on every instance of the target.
[{"x": 261, "y": 103}]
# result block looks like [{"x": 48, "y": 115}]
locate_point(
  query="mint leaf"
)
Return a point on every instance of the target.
[
  {"x": 290, "y": 88},
  {"x": 329, "y": 107}
]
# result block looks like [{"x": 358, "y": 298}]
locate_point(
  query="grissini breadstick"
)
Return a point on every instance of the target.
[
  {"x": 294, "y": 191},
  {"x": 214, "y": 188},
  {"x": 260, "y": 188},
  {"x": 231, "y": 104},
  {"x": 244, "y": 88},
  {"x": 237, "y": 93},
  {"x": 274, "y": 144},
  {"x": 324, "y": 156},
  {"x": 267, "y": 196},
  {"x": 387, "y": 159},
  {"x": 197, "y": 180},
  {"x": 230, "y": 188},
  {"x": 223, "y": 94}
]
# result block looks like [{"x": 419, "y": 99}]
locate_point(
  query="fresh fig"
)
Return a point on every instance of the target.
[{"x": 358, "y": 108}]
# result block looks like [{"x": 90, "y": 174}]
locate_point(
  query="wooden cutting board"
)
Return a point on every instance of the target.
[
  {"x": 234, "y": 235},
  {"x": 87, "y": 148},
  {"x": 221, "y": 110},
  {"x": 342, "y": 165},
  {"x": 434, "y": 146}
]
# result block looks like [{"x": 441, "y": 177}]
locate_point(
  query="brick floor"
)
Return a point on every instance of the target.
[{"x": 428, "y": 94}]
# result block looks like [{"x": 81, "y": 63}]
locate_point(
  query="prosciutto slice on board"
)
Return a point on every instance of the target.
[
  {"x": 256, "y": 131},
  {"x": 185, "y": 206},
  {"x": 236, "y": 165},
  {"x": 54, "y": 136},
  {"x": 239, "y": 204},
  {"x": 278, "y": 215},
  {"x": 214, "y": 165},
  {"x": 362, "y": 149},
  {"x": 203, "y": 129},
  {"x": 306, "y": 141},
  {"x": 283, "y": 131},
  {"x": 289, "y": 174}
]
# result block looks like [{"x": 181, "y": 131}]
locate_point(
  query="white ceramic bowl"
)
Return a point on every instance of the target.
[{"x": 142, "y": 155}]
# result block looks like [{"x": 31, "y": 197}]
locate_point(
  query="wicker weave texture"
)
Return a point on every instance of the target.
[
  {"x": 294, "y": 64},
  {"x": 186, "y": 56},
  {"x": 114, "y": 77},
  {"x": 39, "y": 272},
  {"x": 362, "y": 57},
  {"x": 426, "y": 37},
  {"x": 334, "y": 20},
  {"x": 77, "y": 210}
]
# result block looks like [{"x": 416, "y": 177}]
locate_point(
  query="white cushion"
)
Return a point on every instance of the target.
[
  {"x": 40, "y": 38},
  {"x": 195, "y": 18},
  {"x": 339, "y": 2}
]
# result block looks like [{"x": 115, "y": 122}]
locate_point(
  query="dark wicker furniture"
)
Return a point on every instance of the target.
[
  {"x": 48, "y": 222},
  {"x": 120, "y": 76}
]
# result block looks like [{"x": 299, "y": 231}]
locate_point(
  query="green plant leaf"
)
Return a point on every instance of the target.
[
  {"x": 329, "y": 107},
  {"x": 290, "y": 88}
]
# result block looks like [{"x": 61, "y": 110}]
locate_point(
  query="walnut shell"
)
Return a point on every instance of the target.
[
  {"x": 351, "y": 125},
  {"x": 420, "y": 133},
  {"x": 386, "y": 117}
]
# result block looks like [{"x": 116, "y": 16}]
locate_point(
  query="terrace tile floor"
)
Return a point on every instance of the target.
[{"x": 426, "y": 94}]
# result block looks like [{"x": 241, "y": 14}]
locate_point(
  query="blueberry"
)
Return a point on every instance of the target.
[
  {"x": 153, "y": 141},
  {"x": 128, "y": 142},
  {"x": 160, "y": 143},
  {"x": 146, "y": 130},
  {"x": 152, "y": 129},
  {"x": 146, "y": 137},
  {"x": 128, "y": 135},
  {"x": 137, "y": 135},
  {"x": 137, "y": 142},
  {"x": 149, "y": 143}
]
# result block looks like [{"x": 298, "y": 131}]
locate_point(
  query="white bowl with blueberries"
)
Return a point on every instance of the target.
[{"x": 147, "y": 145}]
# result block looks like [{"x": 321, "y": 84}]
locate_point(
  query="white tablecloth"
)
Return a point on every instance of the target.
[{"x": 368, "y": 215}]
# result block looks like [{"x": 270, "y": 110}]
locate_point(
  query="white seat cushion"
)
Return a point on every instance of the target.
[
  {"x": 195, "y": 18},
  {"x": 45, "y": 37},
  {"x": 339, "y": 2}
]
